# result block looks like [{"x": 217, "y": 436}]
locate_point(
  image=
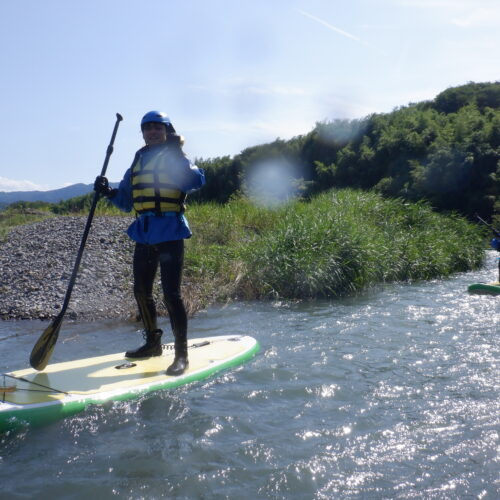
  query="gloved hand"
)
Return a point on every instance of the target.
[
  {"x": 101, "y": 186},
  {"x": 175, "y": 140}
]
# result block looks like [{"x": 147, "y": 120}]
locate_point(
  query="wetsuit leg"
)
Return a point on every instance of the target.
[
  {"x": 171, "y": 256},
  {"x": 145, "y": 267}
]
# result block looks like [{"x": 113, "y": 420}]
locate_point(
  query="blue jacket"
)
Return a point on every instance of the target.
[{"x": 151, "y": 229}]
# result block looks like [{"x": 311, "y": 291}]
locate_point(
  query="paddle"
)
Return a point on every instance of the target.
[
  {"x": 42, "y": 351},
  {"x": 495, "y": 232}
]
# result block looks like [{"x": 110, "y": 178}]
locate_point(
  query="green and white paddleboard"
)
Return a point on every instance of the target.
[
  {"x": 63, "y": 389},
  {"x": 485, "y": 288}
]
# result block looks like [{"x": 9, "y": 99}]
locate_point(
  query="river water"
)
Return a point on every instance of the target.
[{"x": 390, "y": 394}]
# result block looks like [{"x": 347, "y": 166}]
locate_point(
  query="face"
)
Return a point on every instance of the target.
[{"x": 154, "y": 133}]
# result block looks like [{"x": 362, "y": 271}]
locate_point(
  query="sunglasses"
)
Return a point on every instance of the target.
[{"x": 153, "y": 126}]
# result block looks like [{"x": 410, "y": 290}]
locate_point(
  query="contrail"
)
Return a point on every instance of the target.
[{"x": 324, "y": 23}]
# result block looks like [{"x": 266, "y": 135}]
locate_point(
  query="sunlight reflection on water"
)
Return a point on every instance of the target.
[{"x": 390, "y": 394}]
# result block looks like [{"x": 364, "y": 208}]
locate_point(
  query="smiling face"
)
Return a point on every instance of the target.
[{"x": 154, "y": 133}]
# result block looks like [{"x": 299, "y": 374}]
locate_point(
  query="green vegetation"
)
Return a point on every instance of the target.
[
  {"x": 20, "y": 213},
  {"x": 25, "y": 212},
  {"x": 340, "y": 242},
  {"x": 371, "y": 200},
  {"x": 337, "y": 243},
  {"x": 445, "y": 151},
  {"x": 82, "y": 204}
]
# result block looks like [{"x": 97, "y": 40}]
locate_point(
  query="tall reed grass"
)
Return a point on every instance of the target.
[{"x": 340, "y": 242}]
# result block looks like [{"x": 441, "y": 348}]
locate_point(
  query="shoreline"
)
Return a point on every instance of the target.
[
  {"x": 339, "y": 244},
  {"x": 37, "y": 259}
]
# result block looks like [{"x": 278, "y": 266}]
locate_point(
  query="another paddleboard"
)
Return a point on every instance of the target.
[
  {"x": 63, "y": 389},
  {"x": 485, "y": 288}
]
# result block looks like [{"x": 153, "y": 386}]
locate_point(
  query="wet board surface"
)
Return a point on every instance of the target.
[{"x": 62, "y": 389}]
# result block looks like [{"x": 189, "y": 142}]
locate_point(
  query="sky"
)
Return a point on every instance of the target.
[{"x": 230, "y": 74}]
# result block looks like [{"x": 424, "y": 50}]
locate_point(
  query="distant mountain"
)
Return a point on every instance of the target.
[{"x": 53, "y": 196}]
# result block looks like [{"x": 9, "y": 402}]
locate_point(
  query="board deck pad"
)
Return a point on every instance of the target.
[
  {"x": 485, "y": 288},
  {"x": 62, "y": 389}
]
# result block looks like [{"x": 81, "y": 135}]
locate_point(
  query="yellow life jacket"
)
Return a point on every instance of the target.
[{"x": 152, "y": 188}]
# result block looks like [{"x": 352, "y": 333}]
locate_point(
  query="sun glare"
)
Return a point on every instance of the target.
[{"x": 272, "y": 182}]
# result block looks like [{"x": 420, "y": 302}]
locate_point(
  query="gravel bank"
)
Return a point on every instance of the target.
[{"x": 36, "y": 262}]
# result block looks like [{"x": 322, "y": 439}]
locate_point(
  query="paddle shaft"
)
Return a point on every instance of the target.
[
  {"x": 44, "y": 347},
  {"x": 72, "y": 280},
  {"x": 497, "y": 233}
]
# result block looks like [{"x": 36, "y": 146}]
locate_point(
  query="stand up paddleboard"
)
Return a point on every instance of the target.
[
  {"x": 485, "y": 288},
  {"x": 63, "y": 389}
]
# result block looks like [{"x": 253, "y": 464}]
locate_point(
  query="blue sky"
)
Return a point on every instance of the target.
[{"x": 230, "y": 74}]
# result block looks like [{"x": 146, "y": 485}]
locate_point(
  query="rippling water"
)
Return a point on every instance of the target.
[{"x": 392, "y": 394}]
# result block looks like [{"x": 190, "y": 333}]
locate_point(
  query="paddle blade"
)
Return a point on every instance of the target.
[{"x": 42, "y": 351}]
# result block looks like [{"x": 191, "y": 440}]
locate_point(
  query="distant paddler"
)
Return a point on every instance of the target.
[{"x": 495, "y": 242}]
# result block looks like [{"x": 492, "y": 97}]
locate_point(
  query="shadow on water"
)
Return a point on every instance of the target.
[{"x": 390, "y": 394}]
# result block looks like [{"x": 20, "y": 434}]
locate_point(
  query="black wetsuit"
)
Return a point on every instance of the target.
[{"x": 169, "y": 255}]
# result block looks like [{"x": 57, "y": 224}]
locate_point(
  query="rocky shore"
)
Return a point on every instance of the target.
[{"x": 36, "y": 262}]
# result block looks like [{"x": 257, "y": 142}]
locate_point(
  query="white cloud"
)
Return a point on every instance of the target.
[
  {"x": 285, "y": 129},
  {"x": 479, "y": 17},
  {"x": 283, "y": 90},
  {"x": 243, "y": 86},
  {"x": 445, "y": 4},
  {"x": 340, "y": 32},
  {"x": 462, "y": 13},
  {"x": 8, "y": 185},
  {"x": 328, "y": 25},
  {"x": 270, "y": 129}
]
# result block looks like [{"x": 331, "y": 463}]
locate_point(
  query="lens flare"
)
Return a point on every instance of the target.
[{"x": 273, "y": 182}]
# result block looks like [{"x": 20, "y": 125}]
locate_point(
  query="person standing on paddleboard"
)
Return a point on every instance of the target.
[{"x": 155, "y": 187}]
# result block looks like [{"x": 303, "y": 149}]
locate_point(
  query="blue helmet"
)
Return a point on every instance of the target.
[{"x": 159, "y": 117}]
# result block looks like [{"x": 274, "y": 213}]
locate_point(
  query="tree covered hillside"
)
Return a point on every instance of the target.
[{"x": 446, "y": 151}]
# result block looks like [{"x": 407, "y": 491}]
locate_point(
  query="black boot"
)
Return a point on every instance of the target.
[
  {"x": 152, "y": 347},
  {"x": 180, "y": 363}
]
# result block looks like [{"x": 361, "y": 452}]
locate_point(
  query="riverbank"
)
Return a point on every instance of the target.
[
  {"x": 339, "y": 243},
  {"x": 36, "y": 261}
]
